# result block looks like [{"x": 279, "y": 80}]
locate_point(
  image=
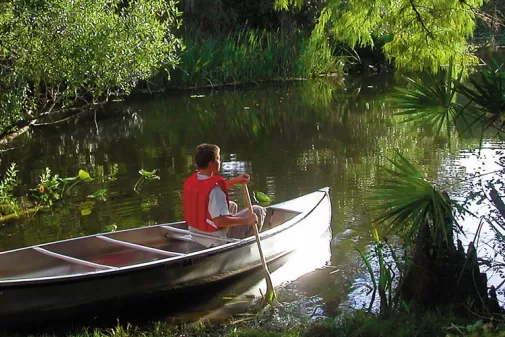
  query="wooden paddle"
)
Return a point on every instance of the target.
[{"x": 270, "y": 294}]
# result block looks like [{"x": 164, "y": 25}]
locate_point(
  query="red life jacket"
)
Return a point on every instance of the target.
[{"x": 196, "y": 201}]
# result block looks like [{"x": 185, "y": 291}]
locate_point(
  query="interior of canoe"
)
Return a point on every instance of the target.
[{"x": 114, "y": 250}]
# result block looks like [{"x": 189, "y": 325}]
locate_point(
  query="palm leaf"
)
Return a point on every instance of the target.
[
  {"x": 432, "y": 101},
  {"x": 407, "y": 201},
  {"x": 486, "y": 90}
]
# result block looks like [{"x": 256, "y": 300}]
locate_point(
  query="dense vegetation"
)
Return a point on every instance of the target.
[
  {"x": 61, "y": 55},
  {"x": 68, "y": 56}
]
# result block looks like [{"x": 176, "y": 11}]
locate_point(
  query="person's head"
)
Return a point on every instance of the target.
[{"x": 207, "y": 157}]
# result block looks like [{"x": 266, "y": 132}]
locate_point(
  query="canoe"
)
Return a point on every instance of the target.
[{"x": 105, "y": 267}]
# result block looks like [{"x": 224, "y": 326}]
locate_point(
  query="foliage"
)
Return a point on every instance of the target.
[
  {"x": 8, "y": 203},
  {"x": 384, "y": 283},
  {"x": 357, "y": 323},
  {"x": 408, "y": 201},
  {"x": 445, "y": 100},
  {"x": 425, "y": 33},
  {"x": 477, "y": 329},
  {"x": 432, "y": 101},
  {"x": 145, "y": 176},
  {"x": 59, "y": 54},
  {"x": 251, "y": 55},
  {"x": 99, "y": 194},
  {"x": 52, "y": 187},
  {"x": 486, "y": 94},
  {"x": 261, "y": 197}
]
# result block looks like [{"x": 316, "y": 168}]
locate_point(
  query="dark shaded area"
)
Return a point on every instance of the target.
[
  {"x": 443, "y": 274},
  {"x": 187, "y": 305},
  {"x": 225, "y": 16}
]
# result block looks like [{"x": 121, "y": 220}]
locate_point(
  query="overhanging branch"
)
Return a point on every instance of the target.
[{"x": 420, "y": 19}]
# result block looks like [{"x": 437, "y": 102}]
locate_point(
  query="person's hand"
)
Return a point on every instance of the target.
[
  {"x": 252, "y": 219},
  {"x": 242, "y": 179}
]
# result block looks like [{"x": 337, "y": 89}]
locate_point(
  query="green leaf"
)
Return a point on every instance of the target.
[
  {"x": 149, "y": 175},
  {"x": 69, "y": 179},
  {"x": 85, "y": 211},
  {"x": 408, "y": 201},
  {"x": 98, "y": 194},
  {"x": 262, "y": 197},
  {"x": 110, "y": 228},
  {"x": 84, "y": 176},
  {"x": 86, "y": 207}
]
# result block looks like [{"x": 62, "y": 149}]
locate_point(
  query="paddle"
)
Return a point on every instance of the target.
[{"x": 270, "y": 294}]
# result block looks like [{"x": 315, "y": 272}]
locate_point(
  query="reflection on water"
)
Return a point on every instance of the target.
[
  {"x": 292, "y": 138},
  {"x": 482, "y": 167}
]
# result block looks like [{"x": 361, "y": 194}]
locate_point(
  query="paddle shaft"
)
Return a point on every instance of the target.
[{"x": 257, "y": 235}]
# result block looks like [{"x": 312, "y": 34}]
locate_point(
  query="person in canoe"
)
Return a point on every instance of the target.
[{"x": 207, "y": 206}]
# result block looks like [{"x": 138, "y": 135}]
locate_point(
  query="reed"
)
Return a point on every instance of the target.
[{"x": 250, "y": 55}]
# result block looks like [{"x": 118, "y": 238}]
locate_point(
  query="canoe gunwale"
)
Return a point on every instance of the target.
[{"x": 20, "y": 283}]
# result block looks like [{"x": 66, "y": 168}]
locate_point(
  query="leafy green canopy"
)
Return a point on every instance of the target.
[
  {"x": 55, "y": 51},
  {"x": 417, "y": 34}
]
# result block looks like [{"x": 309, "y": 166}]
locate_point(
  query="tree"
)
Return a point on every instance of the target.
[
  {"x": 56, "y": 54},
  {"x": 417, "y": 34}
]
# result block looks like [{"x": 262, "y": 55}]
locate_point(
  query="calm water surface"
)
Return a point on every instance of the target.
[{"x": 292, "y": 138}]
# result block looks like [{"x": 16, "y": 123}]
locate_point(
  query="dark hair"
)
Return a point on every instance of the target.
[{"x": 205, "y": 153}]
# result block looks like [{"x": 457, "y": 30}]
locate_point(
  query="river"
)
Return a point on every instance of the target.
[{"x": 291, "y": 137}]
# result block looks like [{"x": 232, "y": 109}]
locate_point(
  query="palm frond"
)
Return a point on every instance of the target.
[
  {"x": 431, "y": 101},
  {"x": 407, "y": 200},
  {"x": 486, "y": 90}
]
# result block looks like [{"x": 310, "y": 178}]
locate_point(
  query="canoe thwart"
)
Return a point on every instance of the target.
[
  {"x": 186, "y": 232},
  {"x": 139, "y": 247},
  {"x": 72, "y": 259}
]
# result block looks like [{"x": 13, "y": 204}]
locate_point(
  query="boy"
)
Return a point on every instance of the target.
[{"x": 207, "y": 206}]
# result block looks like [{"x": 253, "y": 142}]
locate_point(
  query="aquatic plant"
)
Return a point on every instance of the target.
[
  {"x": 9, "y": 203},
  {"x": 145, "y": 176},
  {"x": 384, "y": 283},
  {"x": 53, "y": 188},
  {"x": 262, "y": 198}
]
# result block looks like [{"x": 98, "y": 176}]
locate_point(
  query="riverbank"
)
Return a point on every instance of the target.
[{"x": 358, "y": 323}]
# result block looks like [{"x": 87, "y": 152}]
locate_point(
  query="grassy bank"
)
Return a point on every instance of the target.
[
  {"x": 358, "y": 323},
  {"x": 248, "y": 56}
]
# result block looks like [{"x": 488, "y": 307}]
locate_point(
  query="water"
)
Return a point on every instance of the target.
[{"x": 292, "y": 138}]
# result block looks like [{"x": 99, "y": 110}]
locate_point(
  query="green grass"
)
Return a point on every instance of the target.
[
  {"x": 250, "y": 55},
  {"x": 357, "y": 324}
]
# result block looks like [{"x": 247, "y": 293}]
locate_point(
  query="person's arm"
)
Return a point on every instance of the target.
[
  {"x": 240, "y": 179},
  {"x": 220, "y": 214}
]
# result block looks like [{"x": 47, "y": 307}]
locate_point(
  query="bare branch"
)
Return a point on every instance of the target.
[{"x": 420, "y": 19}]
